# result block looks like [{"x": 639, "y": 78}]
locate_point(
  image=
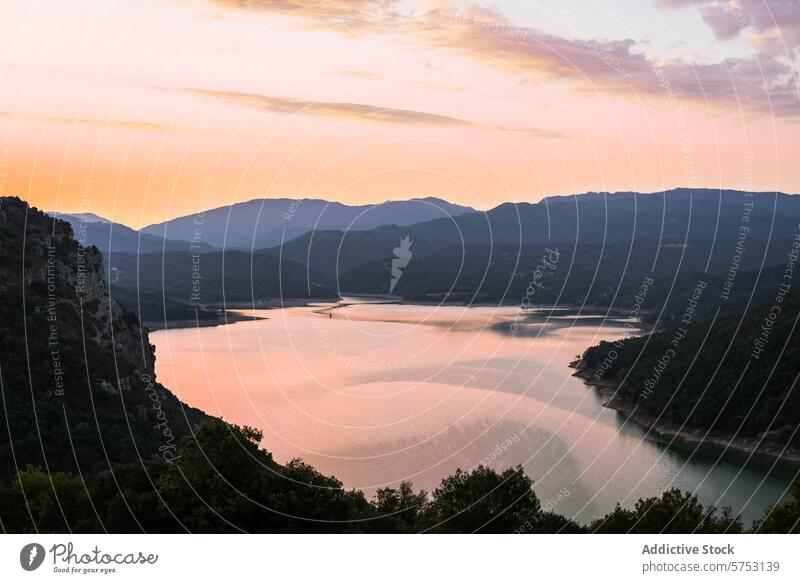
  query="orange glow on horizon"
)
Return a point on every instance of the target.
[{"x": 223, "y": 105}]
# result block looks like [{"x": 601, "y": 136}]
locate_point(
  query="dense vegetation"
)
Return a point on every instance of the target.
[
  {"x": 214, "y": 278},
  {"x": 587, "y": 275},
  {"x": 732, "y": 372},
  {"x": 77, "y": 393},
  {"x": 224, "y": 482},
  {"x": 156, "y": 310}
]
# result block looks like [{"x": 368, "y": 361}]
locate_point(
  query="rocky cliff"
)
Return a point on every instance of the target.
[{"x": 77, "y": 369}]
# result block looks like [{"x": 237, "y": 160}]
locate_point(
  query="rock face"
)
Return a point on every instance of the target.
[
  {"x": 53, "y": 254},
  {"x": 77, "y": 368}
]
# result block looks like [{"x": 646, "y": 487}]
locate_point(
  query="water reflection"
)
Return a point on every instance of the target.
[{"x": 375, "y": 394}]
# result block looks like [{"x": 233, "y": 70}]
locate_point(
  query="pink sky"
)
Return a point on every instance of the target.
[{"x": 141, "y": 111}]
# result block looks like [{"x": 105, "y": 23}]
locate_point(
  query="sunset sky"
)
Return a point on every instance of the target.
[{"x": 142, "y": 110}]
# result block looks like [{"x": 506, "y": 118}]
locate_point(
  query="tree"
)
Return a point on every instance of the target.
[
  {"x": 675, "y": 512},
  {"x": 782, "y": 518},
  {"x": 224, "y": 482},
  {"x": 484, "y": 501},
  {"x": 400, "y": 509},
  {"x": 37, "y": 502}
]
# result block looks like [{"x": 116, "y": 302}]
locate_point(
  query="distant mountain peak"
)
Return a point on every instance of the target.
[
  {"x": 84, "y": 217},
  {"x": 263, "y": 223}
]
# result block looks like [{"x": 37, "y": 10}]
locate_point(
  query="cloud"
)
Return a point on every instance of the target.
[
  {"x": 779, "y": 19},
  {"x": 100, "y": 123},
  {"x": 763, "y": 84},
  {"x": 332, "y": 109},
  {"x": 348, "y": 15},
  {"x": 360, "y": 75},
  {"x": 120, "y": 124},
  {"x": 768, "y": 81}
]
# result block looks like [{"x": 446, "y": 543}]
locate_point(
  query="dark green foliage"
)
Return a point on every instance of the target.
[
  {"x": 36, "y": 502},
  {"x": 713, "y": 381},
  {"x": 153, "y": 307},
  {"x": 224, "y": 482},
  {"x": 399, "y": 509},
  {"x": 225, "y": 277},
  {"x": 675, "y": 512},
  {"x": 782, "y": 518},
  {"x": 484, "y": 501},
  {"x": 73, "y": 401}
]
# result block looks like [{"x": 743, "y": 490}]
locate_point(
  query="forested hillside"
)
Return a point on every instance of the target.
[
  {"x": 77, "y": 370},
  {"x": 731, "y": 371}
]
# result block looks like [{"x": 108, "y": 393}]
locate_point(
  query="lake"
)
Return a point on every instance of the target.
[{"x": 375, "y": 394}]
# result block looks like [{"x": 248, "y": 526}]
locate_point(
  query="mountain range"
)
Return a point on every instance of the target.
[
  {"x": 606, "y": 244},
  {"x": 108, "y": 236},
  {"x": 261, "y": 223},
  {"x": 602, "y": 238}
]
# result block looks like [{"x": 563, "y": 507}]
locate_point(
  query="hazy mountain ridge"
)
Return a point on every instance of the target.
[
  {"x": 607, "y": 244},
  {"x": 261, "y": 223},
  {"x": 109, "y": 236},
  {"x": 663, "y": 233}
]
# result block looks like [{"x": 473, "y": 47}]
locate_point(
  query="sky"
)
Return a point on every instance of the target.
[{"x": 144, "y": 110}]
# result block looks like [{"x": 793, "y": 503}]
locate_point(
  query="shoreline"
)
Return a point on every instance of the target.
[
  {"x": 273, "y": 304},
  {"x": 229, "y": 317},
  {"x": 749, "y": 445},
  {"x": 232, "y": 311}
]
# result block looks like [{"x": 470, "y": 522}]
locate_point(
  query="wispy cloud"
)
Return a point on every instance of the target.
[
  {"x": 360, "y": 75},
  {"x": 350, "y": 16},
  {"x": 367, "y": 112},
  {"x": 119, "y": 124},
  {"x": 766, "y": 83},
  {"x": 761, "y": 84},
  {"x": 99, "y": 123}
]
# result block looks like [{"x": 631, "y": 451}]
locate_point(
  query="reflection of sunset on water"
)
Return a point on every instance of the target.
[{"x": 384, "y": 393}]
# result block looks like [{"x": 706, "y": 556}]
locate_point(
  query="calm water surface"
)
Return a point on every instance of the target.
[{"x": 377, "y": 394}]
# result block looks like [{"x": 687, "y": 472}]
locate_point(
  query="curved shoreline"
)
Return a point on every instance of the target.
[
  {"x": 749, "y": 445},
  {"x": 229, "y": 317}
]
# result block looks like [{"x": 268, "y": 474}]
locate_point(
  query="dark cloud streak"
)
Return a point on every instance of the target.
[{"x": 373, "y": 113}]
